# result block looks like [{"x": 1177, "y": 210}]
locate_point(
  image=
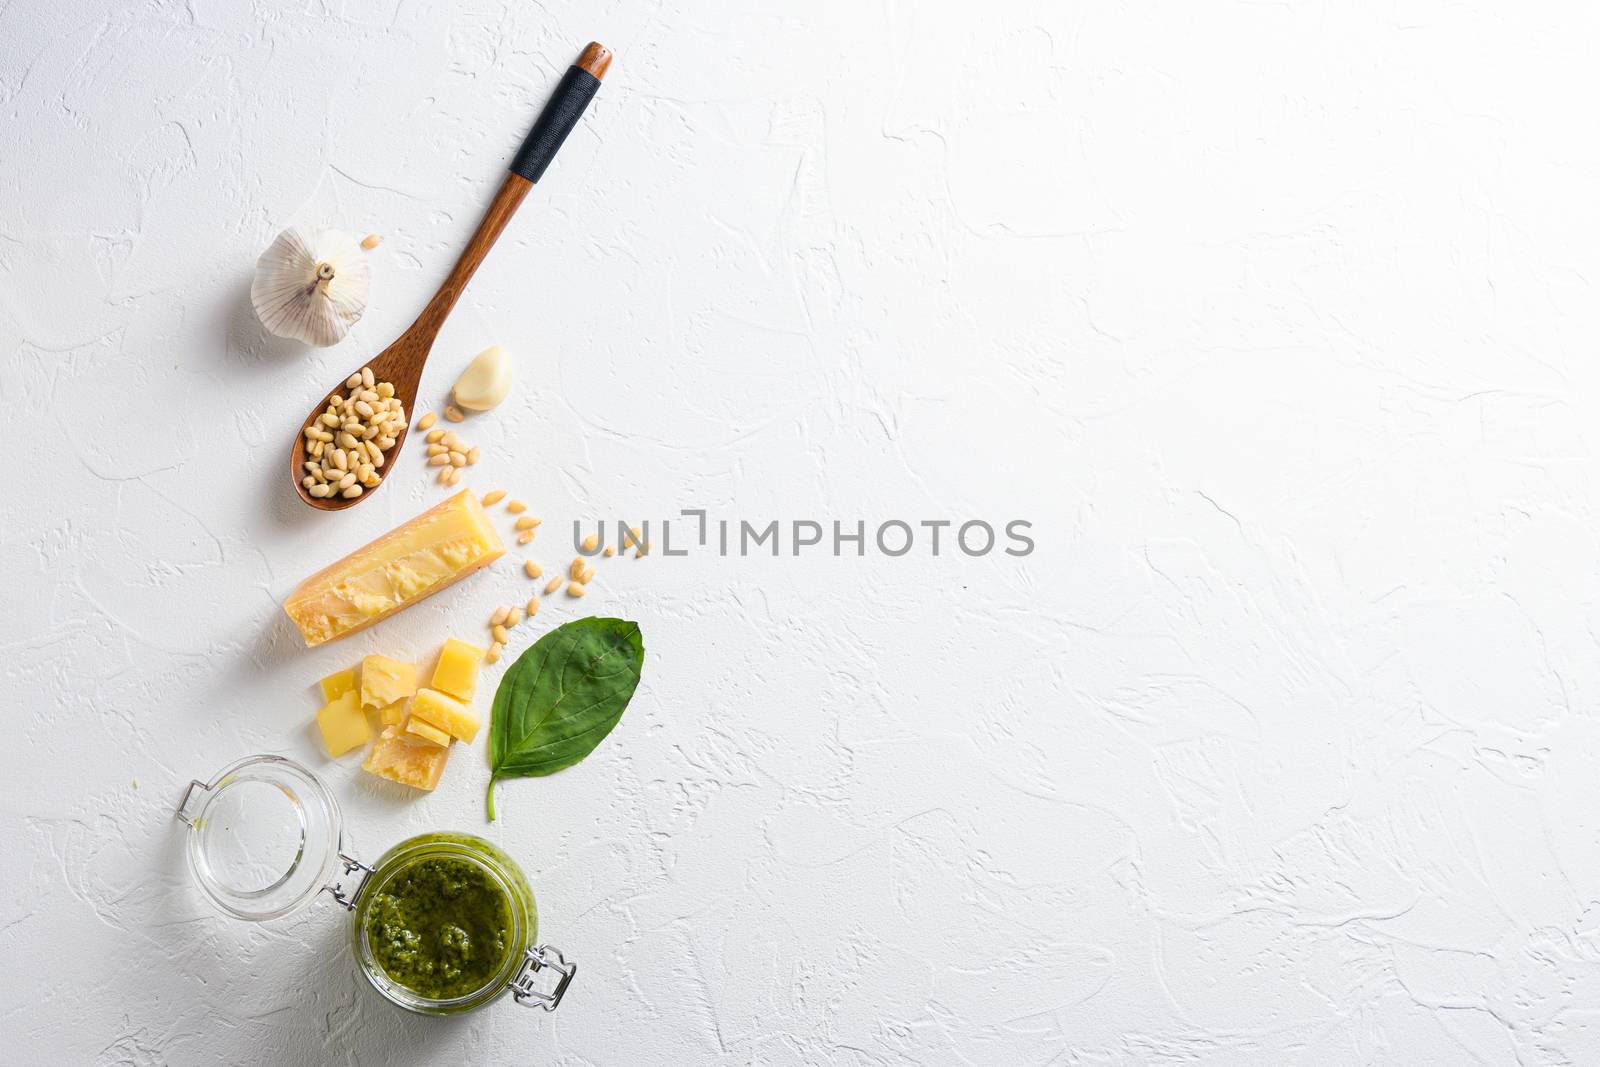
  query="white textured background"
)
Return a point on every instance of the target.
[{"x": 1278, "y": 320}]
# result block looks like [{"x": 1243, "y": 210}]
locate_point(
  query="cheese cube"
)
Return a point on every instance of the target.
[
  {"x": 457, "y": 672},
  {"x": 392, "y": 714},
  {"x": 343, "y": 725},
  {"x": 385, "y": 680},
  {"x": 407, "y": 759},
  {"x": 445, "y": 712},
  {"x": 415, "y": 560},
  {"x": 430, "y": 733},
  {"x": 336, "y": 685}
]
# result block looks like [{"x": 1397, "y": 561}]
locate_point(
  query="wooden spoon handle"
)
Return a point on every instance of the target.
[
  {"x": 561, "y": 113},
  {"x": 504, "y": 205},
  {"x": 559, "y": 117}
]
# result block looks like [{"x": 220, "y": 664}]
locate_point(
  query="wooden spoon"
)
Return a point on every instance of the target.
[{"x": 402, "y": 362}]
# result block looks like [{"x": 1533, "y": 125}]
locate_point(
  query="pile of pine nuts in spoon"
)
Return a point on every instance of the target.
[{"x": 345, "y": 446}]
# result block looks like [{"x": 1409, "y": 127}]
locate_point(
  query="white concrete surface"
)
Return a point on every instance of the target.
[{"x": 1278, "y": 321}]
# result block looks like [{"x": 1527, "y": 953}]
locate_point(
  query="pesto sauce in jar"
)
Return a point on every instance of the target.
[{"x": 441, "y": 927}]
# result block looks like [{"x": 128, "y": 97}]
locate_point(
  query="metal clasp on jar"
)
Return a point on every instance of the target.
[
  {"x": 188, "y": 794},
  {"x": 336, "y": 887},
  {"x": 537, "y": 959}
]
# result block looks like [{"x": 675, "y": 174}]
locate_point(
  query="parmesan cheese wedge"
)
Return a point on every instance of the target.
[
  {"x": 448, "y": 714},
  {"x": 409, "y": 563},
  {"x": 406, "y": 758}
]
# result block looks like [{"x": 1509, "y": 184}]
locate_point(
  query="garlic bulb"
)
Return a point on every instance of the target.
[
  {"x": 311, "y": 285},
  {"x": 486, "y": 381}
]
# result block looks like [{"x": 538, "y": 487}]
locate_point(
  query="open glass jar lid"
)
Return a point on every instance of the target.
[{"x": 265, "y": 838}]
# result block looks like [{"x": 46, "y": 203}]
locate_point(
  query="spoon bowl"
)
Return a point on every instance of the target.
[{"x": 401, "y": 363}]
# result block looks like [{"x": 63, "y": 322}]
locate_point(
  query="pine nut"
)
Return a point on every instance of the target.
[
  {"x": 516, "y": 507},
  {"x": 591, "y": 543},
  {"x": 500, "y": 614},
  {"x": 352, "y": 492},
  {"x": 472, "y": 455},
  {"x": 576, "y": 570},
  {"x": 533, "y": 606},
  {"x": 319, "y": 490},
  {"x": 495, "y": 648},
  {"x": 527, "y": 522},
  {"x": 610, "y": 551},
  {"x": 312, "y": 468},
  {"x": 525, "y": 537},
  {"x": 576, "y": 589},
  {"x": 356, "y": 430},
  {"x": 500, "y": 634},
  {"x": 427, "y": 421},
  {"x": 308, "y": 481},
  {"x": 346, "y": 482},
  {"x": 532, "y": 570},
  {"x": 493, "y": 496},
  {"x": 452, "y": 440},
  {"x": 438, "y": 450},
  {"x": 554, "y": 584},
  {"x": 444, "y": 476},
  {"x": 434, "y": 436},
  {"x": 453, "y": 413},
  {"x": 457, "y": 459},
  {"x": 515, "y": 618},
  {"x": 452, "y": 476},
  {"x": 439, "y": 460}
]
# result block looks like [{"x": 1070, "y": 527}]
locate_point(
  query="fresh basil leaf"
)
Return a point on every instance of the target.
[{"x": 561, "y": 698}]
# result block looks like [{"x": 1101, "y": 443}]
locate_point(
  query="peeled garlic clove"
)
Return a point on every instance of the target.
[
  {"x": 486, "y": 381},
  {"x": 311, "y": 285}
]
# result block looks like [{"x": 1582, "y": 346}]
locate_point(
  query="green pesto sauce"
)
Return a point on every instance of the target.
[{"x": 441, "y": 927}]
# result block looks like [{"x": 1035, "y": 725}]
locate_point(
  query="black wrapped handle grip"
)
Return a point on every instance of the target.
[{"x": 576, "y": 88}]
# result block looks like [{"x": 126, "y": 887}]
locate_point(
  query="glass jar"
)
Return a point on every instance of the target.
[{"x": 265, "y": 840}]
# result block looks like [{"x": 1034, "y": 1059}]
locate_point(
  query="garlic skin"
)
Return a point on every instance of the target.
[
  {"x": 311, "y": 285},
  {"x": 486, "y": 381}
]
